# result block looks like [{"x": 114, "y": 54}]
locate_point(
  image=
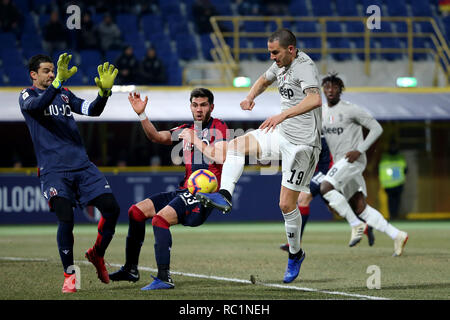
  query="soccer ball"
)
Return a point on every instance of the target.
[{"x": 202, "y": 180}]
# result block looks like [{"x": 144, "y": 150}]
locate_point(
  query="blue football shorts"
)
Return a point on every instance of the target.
[
  {"x": 189, "y": 210},
  {"x": 79, "y": 186}
]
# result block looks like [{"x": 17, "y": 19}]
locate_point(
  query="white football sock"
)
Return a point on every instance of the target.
[
  {"x": 293, "y": 226},
  {"x": 232, "y": 170},
  {"x": 338, "y": 202},
  {"x": 376, "y": 220}
]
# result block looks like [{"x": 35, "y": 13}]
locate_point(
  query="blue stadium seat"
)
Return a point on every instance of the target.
[
  {"x": 168, "y": 7},
  {"x": 139, "y": 50},
  {"x": 8, "y": 39},
  {"x": 11, "y": 56},
  {"x": 396, "y": 8},
  {"x": 298, "y": 8},
  {"x": 322, "y": 8},
  {"x": 346, "y": 8},
  {"x": 161, "y": 44},
  {"x": 90, "y": 59},
  {"x": 174, "y": 74},
  {"x": 177, "y": 24},
  {"x": 22, "y": 5},
  {"x": 207, "y": 45},
  {"x": 223, "y": 7},
  {"x": 41, "y": 5},
  {"x": 305, "y": 26},
  {"x": 127, "y": 23},
  {"x": 31, "y": 41},
  {"x": 360, "y": 43},
  {"x": 261, "y": 43},
  {"x": 152, "y": 23},
  {"x": 337, "y": 42},
  {"x": 243, "y": 43},
  {"x": 253, "y": 26},
  {"x": 388, "y": 42},
  {"x": 187, "y": 50},
  {"x": 42, "y": 20},
  {"x": 312, "y": 43},
  {"x": 367, "y": 3},
  {"x": 78, "y": 80},
  {"x": 18, "y": 75},
  {"x": 112, "y": 55},
  {"x": 421, "y": 8},
  {"x": 97, "y": 18},
  {"x": 273, "y": 26}
]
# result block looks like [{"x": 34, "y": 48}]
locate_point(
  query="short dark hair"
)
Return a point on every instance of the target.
[
  {"x": 285, "y": 37},
  {"x": 35, "y": 61},
  {"x": 201, "y": 93},
  {"x": 334, "y": 79}
]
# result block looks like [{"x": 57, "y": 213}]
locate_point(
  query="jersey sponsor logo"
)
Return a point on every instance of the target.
[
  {"x": 25, "y": 95},
  {"x": 55, "y": 110},
  {"x": 286, "y": 92},
  {"x": 53, "y": 192},
  {"x": 334, "y": 130},
  {"x": 85, "y": 108}
]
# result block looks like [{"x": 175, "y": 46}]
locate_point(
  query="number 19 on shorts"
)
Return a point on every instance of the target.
[{"x": 298, "y": 177}]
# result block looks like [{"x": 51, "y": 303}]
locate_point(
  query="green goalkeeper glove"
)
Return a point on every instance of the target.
[
  {"x": 62, "y": 70},
  {"x": 106, "y": 78}
]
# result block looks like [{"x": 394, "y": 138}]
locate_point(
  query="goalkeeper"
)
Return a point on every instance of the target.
[{"x": 67, "y": 177}]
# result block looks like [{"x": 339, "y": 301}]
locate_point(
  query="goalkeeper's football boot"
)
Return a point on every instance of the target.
[
  {"x": 399, "y": 243},
  {"x": 99, "y": 264},
  {"x": 370, "y": 236},
  {"x": 158, "y": 284},
  {"x": 357, "y": 233},
  {"x": 214, "y": 200},
  {"x": 293, "y": 268},
  {"x": 69, "y": 283},
  {"x": 125, "y": 274}
]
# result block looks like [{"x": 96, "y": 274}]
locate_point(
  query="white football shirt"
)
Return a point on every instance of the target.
[{"x": 292, "y": 81}]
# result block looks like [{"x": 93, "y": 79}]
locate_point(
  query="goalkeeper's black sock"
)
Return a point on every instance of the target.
[
  {"x": 297, "y": 255},
  {"x": 226, "y": 194},
  {"x": 64, "y": 238}
]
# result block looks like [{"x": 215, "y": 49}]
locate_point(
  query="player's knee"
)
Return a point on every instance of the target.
[
  {"x": 63, "y": 209},
  {"x": 286, "y": 206},
  {"x": 136, "y": 214},
  {"x": 358, "y": 203},
  {"x": 325, "y": 187},
  {"x": 160, "y": 222},
  {"x": 108, "y": 206}
]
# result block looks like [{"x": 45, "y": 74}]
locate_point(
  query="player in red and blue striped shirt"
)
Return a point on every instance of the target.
[{"x": 204, "y": 145}]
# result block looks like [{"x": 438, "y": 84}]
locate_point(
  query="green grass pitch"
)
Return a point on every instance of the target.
[{"x": 216, "y": 261}]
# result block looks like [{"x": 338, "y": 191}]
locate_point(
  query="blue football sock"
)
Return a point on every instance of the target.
[{"x": 64, "y": 238}]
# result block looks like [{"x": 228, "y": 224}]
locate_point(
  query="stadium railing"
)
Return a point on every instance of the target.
[{"x": 227, "y": 49}]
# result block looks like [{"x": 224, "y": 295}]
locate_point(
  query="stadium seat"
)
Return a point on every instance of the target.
[
  {"x": 90, "y": 59},
  {"x": 11, "y": 56},
  {"x": 313, "y": 43},
  {"x": 346, "y": 8},
  {"x": 127, "y": 23},
  {"x": 396, "y": 8},
  {"x": 298, "y": 8},
  {"x": 177, "y": 24},
  {"x": 168, "y": 7},
  {"x": 41, "y": 6},
  {"x": 254, "y": 26},
  {"x": 17, "y": 75},
  {"x": 22, "y": 5},
  {"x": 421, "y": 8},
  {"x": 207, "y": 45},
  {"x": 273, "y": 26},
  {"x": 223, "y": 7},
  {"x": 387, "y": 42},
  {"x": 321, "y": 8},
  {"x": 261, "y": 43},
  {"x": 187, "y": 50},
  {"x": 337, "y": 42},
  {"x": 78, "y": 79},
  {"x": 152, "y": 23},
  {"x": 112, "y": 55},
  {"x": 8, "y": 39}
]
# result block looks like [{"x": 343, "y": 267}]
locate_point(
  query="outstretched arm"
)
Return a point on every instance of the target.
[
  {"x": 139, "y": 105},
  {"x": 258, "y": 87},
  {"x": 215, "y": 152}
]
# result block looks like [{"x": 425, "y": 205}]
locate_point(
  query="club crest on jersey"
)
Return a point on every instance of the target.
[
  {"x": 65, "y": 98},
  {"x": 53, "y": 192}
]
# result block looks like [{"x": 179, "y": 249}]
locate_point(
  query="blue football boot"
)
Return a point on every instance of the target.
[
  {"x": 293, "y": 268},
  {"x": 159, "y": 284},
  {"x": 214, "y": 200}
]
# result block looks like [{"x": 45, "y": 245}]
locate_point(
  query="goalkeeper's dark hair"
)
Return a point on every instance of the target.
[
  {"x": 202, "y": 93},
  {"x": 334, "y": 79},
  {"x": 35, "y": 61},
  {"x": 285, "y": 38}
]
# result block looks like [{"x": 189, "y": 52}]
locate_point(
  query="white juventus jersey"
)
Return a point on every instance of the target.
[
  {"x": 292, "y": 81},
  {"x": 342, "y": 128}
]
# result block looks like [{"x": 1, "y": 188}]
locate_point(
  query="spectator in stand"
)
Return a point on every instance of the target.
[
  {"x": 275, "y": 7},
  {"x": 109, "y": 34},
  {"x": 87, "y": 36},
  {"x": 152, "y": 69},
  {"x": 55, "y": 35},
  {"x": 9, "y": 17},
  {"x": 202, "y": 11},
  {"x": 127, "y": 65}
]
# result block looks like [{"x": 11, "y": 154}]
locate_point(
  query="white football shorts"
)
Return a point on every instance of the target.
[
  {"x": 298, "y": 162},
  {"x": 347, "y": 178}
]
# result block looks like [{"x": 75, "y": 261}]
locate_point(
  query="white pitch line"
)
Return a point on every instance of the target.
[{"x": 194, "y": 275}]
